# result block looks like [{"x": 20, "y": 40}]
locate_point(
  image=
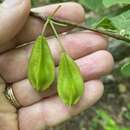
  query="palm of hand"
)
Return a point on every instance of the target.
[{"x": 46, "y": 109}]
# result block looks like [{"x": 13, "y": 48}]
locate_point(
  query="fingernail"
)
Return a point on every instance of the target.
[{"x": 11, "y": 3}]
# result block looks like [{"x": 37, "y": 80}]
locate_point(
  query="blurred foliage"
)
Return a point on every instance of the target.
[
  {"x": 103, "y": 121},
  {"x": 126, "y": 114},
  {"x": 39, "y": 2},
  {"x": 92, "y": 4},
  {"x": 125, "y": 70}
]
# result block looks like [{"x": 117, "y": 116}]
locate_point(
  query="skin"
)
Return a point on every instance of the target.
[{"x": 87, "y": 48}]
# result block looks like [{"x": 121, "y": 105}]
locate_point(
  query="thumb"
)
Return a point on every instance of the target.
[{"x": 13, "y": 14}]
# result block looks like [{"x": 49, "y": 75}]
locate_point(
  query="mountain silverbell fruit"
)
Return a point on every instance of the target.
[
  {"x": 41, "y": 68},
  {"x": 70, "y": 82}
]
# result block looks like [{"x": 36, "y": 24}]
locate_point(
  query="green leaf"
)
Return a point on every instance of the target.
[
  {"x": 92, "y": 4},
  {"x": 109, "y": 3},
  {"x": 41, "y": 68},
  {"x": 105, "y": 23},
  {"x": 119, "y": 24},
  {"x": 125, "y": 70},
  {"x": 122, "y": 22},
  {"x": 70, "y": 82}
]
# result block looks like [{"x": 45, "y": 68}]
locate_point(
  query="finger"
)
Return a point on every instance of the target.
[
  {"x": 46, "y": 111},
  {"x": 13, "y": 14},
  {"x": 92, "y": 67},
  {"x": 33, "y": 26},
  {"x": 8, "y": 116},
  {"x": 13, "y": 64}
]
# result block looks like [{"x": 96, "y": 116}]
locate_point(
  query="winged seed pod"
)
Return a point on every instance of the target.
[
  {"x": 70, "y": 83},
  {"x": 41, "y": 68}
]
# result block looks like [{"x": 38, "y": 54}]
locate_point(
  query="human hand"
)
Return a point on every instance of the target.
[{"x": 43, "y": 110}]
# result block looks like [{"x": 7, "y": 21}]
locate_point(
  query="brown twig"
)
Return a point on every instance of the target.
[
  {"x": 110, "y": 34},
  {"x": 55, "y": 11}
]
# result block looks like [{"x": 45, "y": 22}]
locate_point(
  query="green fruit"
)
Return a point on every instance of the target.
[
  {"x": 70, "y": 82},
  {"x": 41, "y": 68}
]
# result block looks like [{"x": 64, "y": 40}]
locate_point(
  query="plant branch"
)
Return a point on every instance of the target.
[{"x": 110, "y": 34}]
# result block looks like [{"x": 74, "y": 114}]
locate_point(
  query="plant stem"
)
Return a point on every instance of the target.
[
  {"x": 110, "y": 34},
  {"x": 57, "y": 35},
  {"x": 48, "y": 19},
  {"x": 44, "y": 27}
]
